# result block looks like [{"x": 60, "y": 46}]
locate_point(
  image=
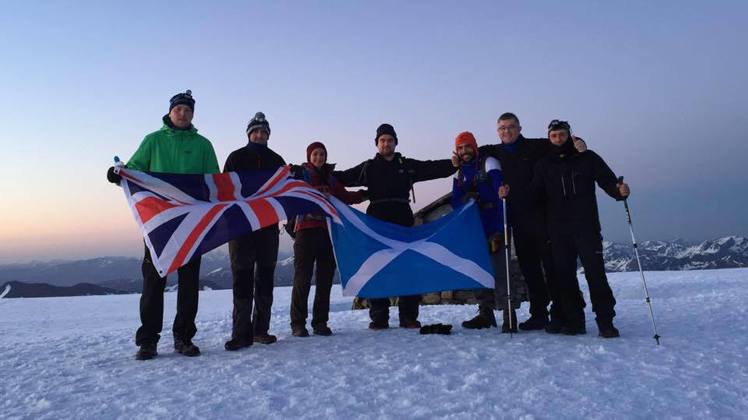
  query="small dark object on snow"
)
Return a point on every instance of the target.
[{"x": 444, "y": 329}]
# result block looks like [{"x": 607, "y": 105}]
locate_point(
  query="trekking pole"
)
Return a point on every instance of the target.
[
  {"x": 639, "y": 263},
  {"x": 506, "y": 264}
]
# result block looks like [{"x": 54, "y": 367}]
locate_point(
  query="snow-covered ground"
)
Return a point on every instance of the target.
[{"x": 73, "y": 358}]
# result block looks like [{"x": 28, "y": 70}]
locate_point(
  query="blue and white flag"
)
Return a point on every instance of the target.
[{"x": 380, "y": 259}]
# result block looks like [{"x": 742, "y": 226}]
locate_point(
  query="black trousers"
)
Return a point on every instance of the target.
[
  {"x": 253, "y": 258},
  {"x": 310, "y": 246},
  {"x": 152, "y": 302},
  {"x": 588, "y": 246},
  {"x": 534, "y": 257}
]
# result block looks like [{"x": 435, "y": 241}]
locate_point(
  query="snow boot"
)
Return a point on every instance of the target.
[
  {"x": 236, "y": 344},
  {"x": 299, "y": 331},
  {"x": 574, "y": 327},
  {"x": 266, "y": 338},
  {"x": 534, "y": 323},
  {"x": 606, "y": 329},
  {"x": 186, "y": 347},
  {"x": 484, "y": 319},
  {"x": 322, "y": 330},
  {"x": 410, "y": 324},
  {"x": 146, "y": 352},
  {"x": 554, "y": 326},
  {"x": 505, "y": 328},
  {"x": 376, "y": 326}
]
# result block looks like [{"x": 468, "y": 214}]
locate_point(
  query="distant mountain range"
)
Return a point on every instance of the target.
[{"x": 110, "y": 275}]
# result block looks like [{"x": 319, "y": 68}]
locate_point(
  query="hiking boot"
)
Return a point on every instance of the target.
[
  {"x": 376, "y": 326},
  {"x": 322, "y": 330},
  {"x": 606, "y": 329},
  {"x": 555, "y": 326},
  {"x": 299, "y": 331},
  {"x": 505, "y": 328},
  {"x": 534, "y": 323},
  {"x": 574, "y": 328},
  {"x": 482, "y": 320},
  {"x": 410, "y": 324},
  {"x": 186, "y": 348},
  {"x": 146, "y": 352},
  {"x": 267, "y": 338},
  {"x": 237, "y": 344}
]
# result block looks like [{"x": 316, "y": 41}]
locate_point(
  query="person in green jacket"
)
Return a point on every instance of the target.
[{"x": 175, "y": 148}]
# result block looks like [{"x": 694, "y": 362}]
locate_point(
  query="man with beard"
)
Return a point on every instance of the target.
[
  {"x": 518, "y": 156},
  {"x": 389, "y": 178}
]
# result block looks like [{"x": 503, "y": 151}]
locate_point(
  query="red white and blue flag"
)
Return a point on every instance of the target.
[{"x": 183, "y": 216}]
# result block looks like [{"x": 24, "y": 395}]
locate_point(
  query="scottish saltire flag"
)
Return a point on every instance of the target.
[
  {"x": 182, "y": 216},
  {"x": 380, "y": 259}
]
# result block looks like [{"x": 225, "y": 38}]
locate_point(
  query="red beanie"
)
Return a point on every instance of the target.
[
  {"x": 466, "y": 137},
  {"x": 312, "y": 147}
]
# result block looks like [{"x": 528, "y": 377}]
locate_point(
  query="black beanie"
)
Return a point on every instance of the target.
[
  {"x": 385, "y": 129},
  {"x": 182, "y": 99},
  {"x": 258, "y": 122}
]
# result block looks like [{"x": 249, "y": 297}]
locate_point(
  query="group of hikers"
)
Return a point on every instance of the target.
[{"x": 549, "y": 190}]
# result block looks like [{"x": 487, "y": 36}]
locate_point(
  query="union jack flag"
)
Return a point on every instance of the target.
[{"x": 182, "y": 216}]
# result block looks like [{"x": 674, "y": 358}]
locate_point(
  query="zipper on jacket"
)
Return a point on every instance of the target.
[{"x": 563, "y": 185}]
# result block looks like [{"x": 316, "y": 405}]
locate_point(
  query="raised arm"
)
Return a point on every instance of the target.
[{"x": 354, "y": 177}]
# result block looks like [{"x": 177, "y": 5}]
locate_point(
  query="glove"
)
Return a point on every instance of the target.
[
  {"x": 112, "y": 177},
  {"x": 297, "y": 172}
]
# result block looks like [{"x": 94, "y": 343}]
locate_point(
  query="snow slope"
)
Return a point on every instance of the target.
[{"x": 72, "y": 358}]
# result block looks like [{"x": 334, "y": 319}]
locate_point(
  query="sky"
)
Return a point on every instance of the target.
[{"x": 657, "y": 88}]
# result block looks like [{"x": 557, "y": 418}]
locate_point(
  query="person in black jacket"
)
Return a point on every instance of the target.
[
  {"x": 518, "y": 156},
  {"x": 389, "y": 178},
  {"x": 565, "y": 179},
  {"x": 253, "y": 256}
]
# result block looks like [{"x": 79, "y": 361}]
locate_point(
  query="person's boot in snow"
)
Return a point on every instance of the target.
[
  {"x": 265, "y": 338},
  {"x": 299, "y": 331},
  {"x": 534, "y": 323},
  {"x": 186, "y": 347},
  {"x": 410, "y": 324},
  {"x": 554, "y": 326},
  {"x": 146, "y": 352},
  {"x": 484, "y": 319},
  {"x": 322, "y": 330},
  {"x": 505, "y": 328},
  {"x": 376, "y": 326},
  {"x": 606, "y": 329},
  {"x": 237, "y": 344}
]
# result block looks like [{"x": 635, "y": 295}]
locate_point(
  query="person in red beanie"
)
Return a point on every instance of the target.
[
  {"x": 312, "y": 244},
  {"x": 479, "y": 178}
]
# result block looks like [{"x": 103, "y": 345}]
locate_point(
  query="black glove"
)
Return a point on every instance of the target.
[
  {"x": 364, "y": 193},
  {"x": 297, "y": 172},
  {"x": 113, "y": 177}
]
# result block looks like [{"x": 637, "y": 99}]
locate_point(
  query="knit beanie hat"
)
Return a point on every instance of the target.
[
  {"x": 258, "y": 123},
  {"x": 312, "y": 147},
  {"x": 468, "y": 138},
  {"x": 182, "y": 99},
  {"x": 385, "y": 129}
]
